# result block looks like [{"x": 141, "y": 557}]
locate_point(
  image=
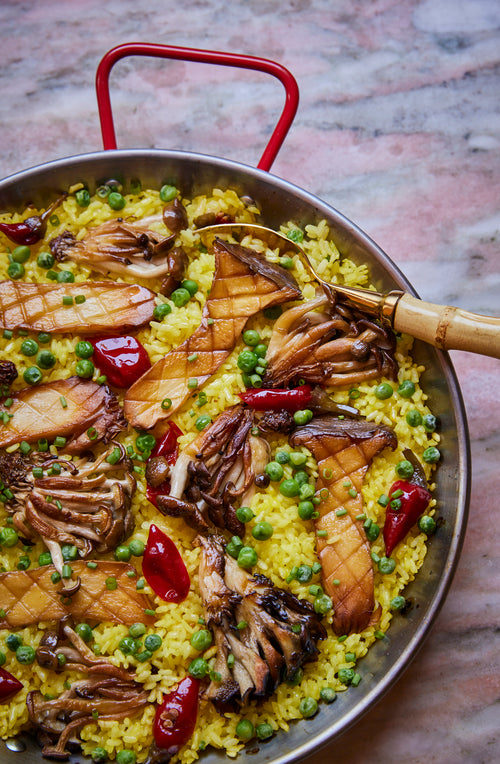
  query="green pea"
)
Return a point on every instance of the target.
[
  {"x": 244, "y": 514},
  {"x": 322, "y": 604},
  {"x": 386, "y": 565},
  {"x": 136, "y": 547},
  {"x": 303, "y": 416},
  {"x": 234, "y": 546},
  {"x": 406, "y": 389},
  {"x": 427, "y": 524},
  {"x": 308, "y": 707},
  {"x": 21, "y": 254},
  {"x": 245, "y": 729},
  {"x": 25, "y": 655},
  {"x": 305, "y": 510},
  {"x": 429, "y": 422},
  {"x": 247, "y": 360},
  {"x": 84, "y": 631},
  {"x": 264, "y": 731},
  {"x": 180, "y": 297},
  {"x": 289, "y": 487},
  {"x": 247, "y": 557},
  {"x": 286, "y": 262},
  {"x": 45, "y": 558},
  {"x": 145, "y": 442},
  {"x": 99, "y": 755},
  {"x": 103, "y": 191},
  {"x": 201, "y": 640},
  {"x": 116, "y": 201},
  {"x": 260, "y": 350},
  {"x": 122, "y": 553},
  {"x": 8, "y": 537},
  {"x": 125, "y": 756},
  {"x": 304, "y": 574},
  {"x": 43, "y": 338},
  {"x": 202, "y": 421},
  {"x": 24, "y": 562},
  {"x": 137, "y": 630},
  {"x": 262, "y": 531},
  {"x": 153, "y": 642},
  {"x": 82, "y": 197},
  {"x": 127, "y": 645},
  {"x": 15, "y": 271},
  {"x": 13, "y": 641},
  {"x": 190, "y": 285},
  {"x": 306, "y": 491},
  {"x": 45, "y": 260},
  {"x": 29, "y": 347},
  {"x": 383, "y": 391},
  {"x": 404, "y": 469},
  {"x": 301, "y": 477},
  {"x": 273, "y": 312},
  {"x": 85, "y": 369},
  {"x": 251, "y": 338},
  {"x": 431, "y": 455},
  {"x": 32, "y": 375},
  {"x": 372, "y": 532},
  {"x": 65, "y": 277},
  {"x": 414, "y": 418},
  {"x": 46, "y": 359},
  {"x": 296, "y": 235},
  {"x": 84, "y": 349},
  {"x": 198, "y": 668},
  {"x": 274, "y": 470},
  {"x": 398, "y": 602},
  {"x": 167, "y": 193},
  {"x": 327, "y": 694},
  {"x": 346, "y": 675},
  {"x": 69, "y": 552},
  {"x": 282, "y": 457},
  {"x": 297, "y": 458},
  {"x": 161, "y": 311}
]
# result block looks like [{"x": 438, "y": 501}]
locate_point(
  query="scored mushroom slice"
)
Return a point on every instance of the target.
[
  {"x": 78, "y": 409},
  {"x": 324, "y": 342},
  {"x": 128, "y": 248},
  {"x": 109, "y": 691},
  {"x": 270, "y": 632},
  {"x": 30, "y": 596},
  {"x": 216, "y": 470},
  {"x": 243, "y": 283},
  {"x": 86, "y": 504},
  {"x": 344, "y": 449},
  {"x": 86, "y": 307}
]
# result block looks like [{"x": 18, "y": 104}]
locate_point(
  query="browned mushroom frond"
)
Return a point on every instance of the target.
[
  {"x": 326, "y": 343},
  {"x": 215, "y": 471},
  {"x": 243, "y": 283},
  {"x": 109, "y": 693},
  {"x": 95, "y": 307},
  {"x": 85, "y": 503},
  {"x": 77, "y": 409},
  {"x": 117, "y": 246},
  {"x": 344, "y": 449},
  {"x": 279, "y": 634}
]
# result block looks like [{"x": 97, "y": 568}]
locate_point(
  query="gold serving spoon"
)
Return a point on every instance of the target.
[{"x": 443, "y": 326}]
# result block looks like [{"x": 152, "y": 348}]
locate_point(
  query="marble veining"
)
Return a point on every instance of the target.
[{"x": 398, "y": 128}]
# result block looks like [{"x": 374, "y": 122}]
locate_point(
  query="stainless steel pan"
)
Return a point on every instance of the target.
[{"x": 282, "y": 201}]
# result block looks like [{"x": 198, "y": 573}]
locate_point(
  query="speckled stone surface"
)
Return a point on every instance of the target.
[{"x": 398, "y": 128}]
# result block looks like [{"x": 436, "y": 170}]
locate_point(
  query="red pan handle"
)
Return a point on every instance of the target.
[{"x": 201, "y": 56}]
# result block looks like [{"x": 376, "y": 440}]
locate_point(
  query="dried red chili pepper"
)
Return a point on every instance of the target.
[
  {"x": 32, "y": 229},
  {"x": 278, "y": 400},
  {"x": 9, "y": 685},
  {"x": 175, "y": 717},
  {"x": 122, "y": 359},
  {"x": 163, "y": 567},
  {"x": 400, "y": 519}
]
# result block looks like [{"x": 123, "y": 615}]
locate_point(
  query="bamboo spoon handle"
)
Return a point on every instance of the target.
[{"x": 447, "y": 328}]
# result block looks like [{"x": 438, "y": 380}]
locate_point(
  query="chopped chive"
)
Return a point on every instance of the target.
[
  {"x": 92, "y": 565},
  {"x": 24, "y": 447},
  {"x": 7, "y": 334},
  {"x": 67, "y": 571},
  {"x": 362, "y": 516},
  {"x": 352, "y": 492},
  {"x": 383, "y": 500},
  {"x": 59, "y": 441},
  {"x": 166, "y": 403},
  {"x": 322, "y": 534},
  {"x": 356, "y": 680},
  {"x": 379, "y": 634},
  {"x": 210, "y": 321},
  {"x": 67, "y": 300},
  {"x": 396, "y": 494},
  {"x": 80, "y": 299},
  {"x": 148, "y": 611},
  {"x": 101, "y": 379},
  {"x": 193, "y": 357},
  {"x": 37, "y": 472},
  {"x": 92, "y": 433},
  {"x": 341, "y": 512},
  {"x": 114, "y": 456},
  {"x": 324, "y": 494},
  {"x": 342, "y": 638},
  {"x": 111, "y": 583},
  {"x": 336, "y": 582},
  {"x": 43, "y": 444},
  {"x": 367, "y": 523},
  {"x": 327, "y": 473},
  {"x": 241, "y": 625},
  {"x": 64, "y": 402},
  {"x": 192, "y": 383},
  {"x": 347, "y": 484},
  {"x": 8, "y": 403}
]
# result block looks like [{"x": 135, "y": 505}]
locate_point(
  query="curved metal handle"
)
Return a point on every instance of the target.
[{"x": 200, "y": 56}]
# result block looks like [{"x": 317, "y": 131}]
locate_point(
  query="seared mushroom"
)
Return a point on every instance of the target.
[
  {"x": 85, "y": 503},
  {"x": 177, "y": 264},
  {"x": 280, "y": 633},
  {"x": 175, "y": 216},
  {"x": 109, "y": 691},
  {"x": 326, "y": 343},
  {"x": 215, "y": 470},
  {"x": 117, "y": 247},
  {"x": 8, "y": 373}
]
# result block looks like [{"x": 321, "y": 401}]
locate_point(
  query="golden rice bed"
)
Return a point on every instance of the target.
[{"x": 293, "y": 540}]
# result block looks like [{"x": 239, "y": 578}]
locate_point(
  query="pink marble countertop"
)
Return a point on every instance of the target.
[{"x": 399, "y": 129}]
